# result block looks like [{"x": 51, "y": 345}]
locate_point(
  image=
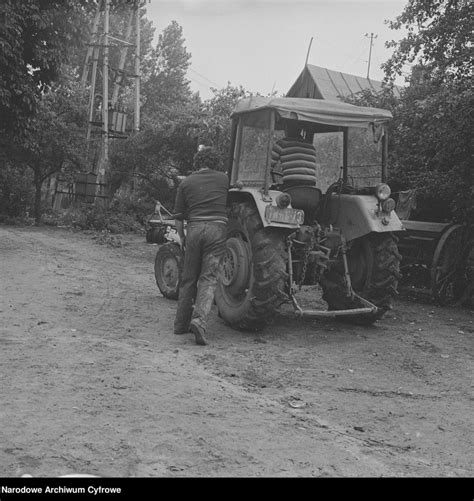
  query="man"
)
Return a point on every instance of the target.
[
  {"x": 201, "y": 201},
  {"x": 293, "y": 158}
]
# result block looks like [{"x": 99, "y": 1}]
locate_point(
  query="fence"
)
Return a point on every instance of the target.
[{"x": 85, "y": 188}]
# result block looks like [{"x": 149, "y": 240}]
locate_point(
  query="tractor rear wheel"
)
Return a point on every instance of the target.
[
  {"x": 374, "y": 268},
  {"x": 254, "y": 279}
]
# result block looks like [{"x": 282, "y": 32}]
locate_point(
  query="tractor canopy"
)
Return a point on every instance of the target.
[
  {"x": 315, "y": 110},
  {"x": 345, "y": 136}
]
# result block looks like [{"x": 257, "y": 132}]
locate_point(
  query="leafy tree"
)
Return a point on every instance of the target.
[
  {"x": 430, "y": 136},
  {"x": 433, "y": 146},
  {"x": 164, "y": 84},
  {"x": 439, "y": 38},
  {"x": 36, "y": 37},
  {"x": 216, "y": 122},
  {"x": 53, "y": 140},
  {"x": 170, "y": 115},
  {"x": 165, "y": 149},
  {"x": 16, "y": 192},
  {"x": 156, "y": 156}
]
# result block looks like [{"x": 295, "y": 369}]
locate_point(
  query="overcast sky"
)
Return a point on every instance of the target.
[{"x": 262, "y": 44}]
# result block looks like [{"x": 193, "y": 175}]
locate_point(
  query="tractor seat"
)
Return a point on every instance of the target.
[{"x": 305, "y": 198}]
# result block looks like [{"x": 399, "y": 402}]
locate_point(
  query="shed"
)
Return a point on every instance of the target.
[{"x": 321, "y": 83}]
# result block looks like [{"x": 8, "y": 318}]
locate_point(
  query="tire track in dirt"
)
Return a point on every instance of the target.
[{"x": 102, "y": 386}]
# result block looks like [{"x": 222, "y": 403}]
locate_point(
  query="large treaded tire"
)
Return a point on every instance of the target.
[
  {"x": 254, "y": 279},
  {"x": 374, "y": 267}
]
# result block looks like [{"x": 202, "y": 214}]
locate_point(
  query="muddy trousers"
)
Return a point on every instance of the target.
[{"x": 205, "y": 246}]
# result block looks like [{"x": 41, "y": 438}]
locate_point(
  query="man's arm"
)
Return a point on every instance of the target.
[
  {"x": 180, "y": 230},
  {"x": 180, "y": 211}
]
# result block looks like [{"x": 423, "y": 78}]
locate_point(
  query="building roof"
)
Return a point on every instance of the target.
[{"x": 321, "y": 83}]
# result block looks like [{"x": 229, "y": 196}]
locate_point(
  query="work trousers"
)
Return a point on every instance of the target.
[{"x": 205, "y": 246}]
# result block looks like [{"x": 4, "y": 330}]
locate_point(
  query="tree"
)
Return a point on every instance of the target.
[
  {"x": 164, "y": 84},
  {"x": 174, "y": 122},
  {"x": 165, "y": 148},
  {"x": 216, "y": 126},
  {"x": 154, "y": 158},
  {"x": 439, "y": 38},
  {"x": 53, "y": 140},
  {"x": 430, "y": 137},
  {"x": 36, "y": 37},
  {"x": 170, "y": 116}
]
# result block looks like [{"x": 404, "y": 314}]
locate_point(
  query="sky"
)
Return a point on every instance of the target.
[{"x": 263, "y": 44}]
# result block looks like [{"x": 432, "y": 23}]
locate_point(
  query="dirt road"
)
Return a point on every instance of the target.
[{"x": 93, "y": 381}]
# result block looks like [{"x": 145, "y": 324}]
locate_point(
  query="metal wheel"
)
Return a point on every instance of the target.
[
  {"x": 168, "y": 268},
  {"x": 448, "y": 268},
  {"x": 236, "y": 266}
]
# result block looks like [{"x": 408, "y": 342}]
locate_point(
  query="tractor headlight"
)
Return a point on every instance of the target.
[
  {"x": 388, "y": 205},
  {"x": 382, "y": 191},
  {"x": 283, "y": 200}
]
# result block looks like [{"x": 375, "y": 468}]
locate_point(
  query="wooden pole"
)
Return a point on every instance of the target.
[
  {"x": 269, "y": 153},
  {"x": 105, "y": 89},
  {"x": 372, "y": 36},
  {"x": 307, "y": 54},
  {"x": 121, "y": 65},
  {"x": 345, "y": 155},
  {"x": 137, "y": 69},
  {"x": 95, "y": 60}
]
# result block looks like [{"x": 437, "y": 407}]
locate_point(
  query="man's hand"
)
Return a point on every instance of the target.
[{"x": 180, "y": 230}]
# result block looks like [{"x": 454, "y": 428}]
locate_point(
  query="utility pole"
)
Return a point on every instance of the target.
[
  {"x": 137, "y": 69},
  {"x": 105, "y": 92},
  {"x": 123, "y": 57},
  {"x": 372, "y": 37},
  {"x": 110, "y": 120}
]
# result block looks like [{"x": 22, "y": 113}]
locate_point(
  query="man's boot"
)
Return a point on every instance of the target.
[{"x": 198, "y": 333}]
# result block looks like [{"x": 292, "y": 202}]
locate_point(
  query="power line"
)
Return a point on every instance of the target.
[
  {"x": 199, "y": 83},
  {"x": 202, "y": 76}
]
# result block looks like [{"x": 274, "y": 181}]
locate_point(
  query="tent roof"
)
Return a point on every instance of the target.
[
  {"x": 331, "y": 85},
  {"x": 315, "y": 110}
]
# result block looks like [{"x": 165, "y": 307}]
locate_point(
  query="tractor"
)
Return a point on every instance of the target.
[{"x": 283, "y": 236}]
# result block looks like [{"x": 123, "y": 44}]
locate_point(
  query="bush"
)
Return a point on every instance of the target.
[
  {"x": 137, "y": 208},
  {"x": 16, "y": 192},
  {"x": 97, "y": 218}
]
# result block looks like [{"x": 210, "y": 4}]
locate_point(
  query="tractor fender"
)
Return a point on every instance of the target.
[
  {"x": 270, "y": 213},
  {"x": 359, "y": 215}
]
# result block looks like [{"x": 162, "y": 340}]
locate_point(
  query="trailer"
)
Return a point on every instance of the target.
[{"x": 434, "y": 255}]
